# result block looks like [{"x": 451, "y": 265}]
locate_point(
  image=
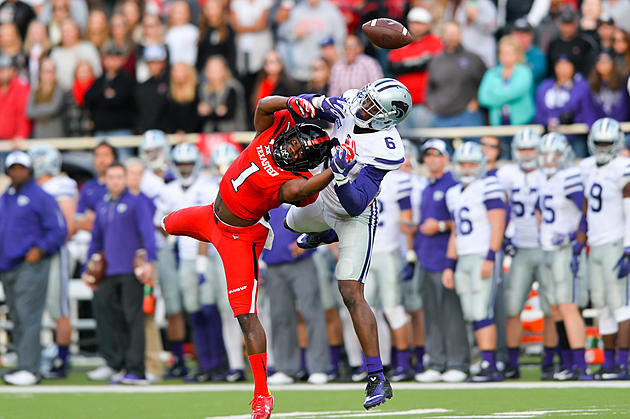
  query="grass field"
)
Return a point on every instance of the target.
[{"x": 523, "y": 399}]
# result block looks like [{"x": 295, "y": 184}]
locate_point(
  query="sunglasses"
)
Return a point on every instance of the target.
[
  {"x": 433, "y": 153},
  {"x": 489, "y": 145}
]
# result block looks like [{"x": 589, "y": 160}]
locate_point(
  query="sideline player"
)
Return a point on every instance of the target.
[
  {"x": 273, "y": 169},
  {"x": 364, "y": 120},
  {"x": 47, "y": 172},
  {"x": 606, "y": 179},
  {"x": 478, "y": 211},
  {"x": 559, "y": 211}
]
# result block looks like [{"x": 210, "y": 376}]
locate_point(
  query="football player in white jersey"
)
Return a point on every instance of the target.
[
  {"x": 47, "y": 172},
  {"x": 478, "y": 211},
  {"x": 606, "y": 179},
  {"x": 559, "y": 210},
  {"x": 155, "y": 154},
  {"x": 521, "y": 182},
  {"x": 200, "y": 299},
  {"x": 364, "y": 123}
]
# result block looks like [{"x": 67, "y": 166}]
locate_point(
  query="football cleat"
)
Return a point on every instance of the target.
[
  {"x": 486, "y": 374},
  {"x": 202, "y": 377},
  {"x": 376, "y": 392},
  {"x": 547, "y": 373},
  {"x": 429, "y": 376},
  {"x": 134, "y": 380},
  {"x": 511, "y": 372},
  {"x": 177, "y": 370},
  {"x": 573, "y": 374},
  {"x": 311, "y": 241},
  {"x": 235, "y": 376},
  {"x": 21, "y": 378},
  {"x": 280, "y": 378},
  {"x": 102, "y": 373},
  {"x": 261, "y": 407},
  {"x": 401, "y": 374},
  {"x": 358, "y": 375},
  {"x": 608, "y": 374},
  {"x": 454, "y": 376},
  {"x": 58, "y": 370}
]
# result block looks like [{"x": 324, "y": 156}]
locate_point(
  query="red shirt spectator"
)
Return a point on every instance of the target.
[
  {"x": 355, "y": 71},
  {"x": 14, "y": 94},
  {"x": 409, "y": 64}
]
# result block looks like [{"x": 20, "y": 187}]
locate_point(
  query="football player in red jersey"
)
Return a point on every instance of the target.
[{"x": 273, "y": 169}]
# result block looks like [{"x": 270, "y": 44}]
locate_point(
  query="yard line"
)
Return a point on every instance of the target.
[{"x": 341, "y": 414}]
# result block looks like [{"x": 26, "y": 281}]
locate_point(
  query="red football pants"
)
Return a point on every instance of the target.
[{"x": 239, "y": 248}]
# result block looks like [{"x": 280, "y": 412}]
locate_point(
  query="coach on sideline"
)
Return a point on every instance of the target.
[{"x": 31, "y": 229}]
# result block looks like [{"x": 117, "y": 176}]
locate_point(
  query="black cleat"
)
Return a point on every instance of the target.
[{"x": 376, "y": 392}]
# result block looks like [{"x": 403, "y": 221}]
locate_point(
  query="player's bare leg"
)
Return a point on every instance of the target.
[
  {"x": 176, "y": 333},
  {"x": 63, "y": 337}
]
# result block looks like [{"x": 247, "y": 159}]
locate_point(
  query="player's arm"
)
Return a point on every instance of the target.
[
  {"x": 327, "y": 108},
  {"x": 68, "y": 206},
  {"x": 448, "y": 279},
  {"x": 264, "y": 116},
  {"x": 298, "y": 189}
]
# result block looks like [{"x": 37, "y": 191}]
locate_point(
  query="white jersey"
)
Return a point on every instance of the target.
[
  {"x": 603, "y": 188},
  {"x": 418, "y": 183},
  {"x": 203, "y": 191},
  {"x": 522, "y": 192},
  {"x": 381, "y": 149},
  {"x": 559, "y": 214},
  {"x": 396, "y": 188},
  {"x": 467, "y": 207},
  {"x": 62, "y": 187},
  {"x": 151, "y": 185}
]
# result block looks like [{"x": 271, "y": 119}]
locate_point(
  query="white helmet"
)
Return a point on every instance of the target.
[
  {"x": 381, "y": 104},
  {"x": 222, "y": 156},
  {"x": 605, "y": 140},
  {"x": 46, "y": 160},
  {"x": 469, "y": 152},
  {"x": 186, "y": 153},
  {"x": 554, "y": 153},
  {"x": 155, "y": 150},
  {"x": 525, "y": 139}
]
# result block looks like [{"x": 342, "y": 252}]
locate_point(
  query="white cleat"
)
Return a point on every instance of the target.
[
  {"x": 454, "y": 376},
  {"x": 318, "y": 378},
  {"x": 429, "y": 376},
  {"x": 102, "y": 373},
  {"x": 280, "y": 378},
  {"x": 21, "y": 378}
]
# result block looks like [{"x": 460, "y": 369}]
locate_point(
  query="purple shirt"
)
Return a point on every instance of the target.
[
  {"x": 605, "y": 103},
  {"x": 431, "y": 250},
  {"x": 553, "y": 101},
  {"x": 121, "y": 227},
  {"x": 283, "y": 238},
  {"x": 92, "y": 192},
  {"x": 30, "y": 217}
]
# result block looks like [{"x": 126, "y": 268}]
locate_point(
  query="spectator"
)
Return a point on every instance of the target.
[
  {"x": 151, "y": 35},
  {"x": 608, "y": 95},
  {"x": 130, "y": 9},
  {"x": 621, "y": 48},
  {"x": 272, "y": 80},
  {"x": 355, "y": 71},
  {"x": 534, "y": 57},
  {"x": 78, "y": 118},
  {"x": 46, "y": 103},
  {"x": 36, "y": 46},
  {"x": 572, "y": 44},
  {"x": 60, "y": 12},
  {"x": 77, "y": 9},
  {"x": 72, "y": 50},
  {"x": 97, "y": 29},
  {"x": 253, "y": 36},
  {"x": 477, "y": 19},
  {"x": 605, "y": 31},
  {"x": 491, "y": 147},
  {"x": 221, "y": 100},
  {"x": 17, "y": 12},
  {"x": 329, "y": 51},
  {"x": 33, "y": 229},
  {"x": 151, "y": 96},
  {"x": 119, "y": 234},
  {"x": 320, "y": 77},
  {"x": 589, "y": 21},
  {"x": 182, "y": 101},
  {"x": 181, "y": 36},
  {"x": 511, "y": 10},
  {"x": 506, "y": 90},
  {"x": 121, "y": 39},
  {"x": 454, "y": 78},
  {"x": 13, "y": 99},
  {"x": 548, "y": 29},
  {"x": 216, "y": 36},
  {"x": 11, "y": 45},
  {"x": 446, "y": 337},
  {"x": 309, "y": 22},
  {"x": 110, "y": 98},
  {"x": 409, "y": 65},
  {"x": 283, "y": 35},
  {"x": 620, "y": 9},
  {"x": 291, "y": 286}
]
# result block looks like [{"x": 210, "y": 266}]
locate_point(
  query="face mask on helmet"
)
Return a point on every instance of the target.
[
  {"x": 467, "y": 172},
  {"x": 301, "y": 148},
  {"x": 187, "y": 163},
  {"x": 526, "y": 158},
  {"x": 222, "y": 157},
  {"x": 548, "y": 162},
  {"x": 45, "y": 161},
  {"x": 381, "y": 105},
  {"x": 155, "y": 159},
  {"x": 605, "y": 140}
]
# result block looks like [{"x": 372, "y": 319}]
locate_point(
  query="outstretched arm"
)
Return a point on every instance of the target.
[
  {"x": 263, "y": 118},
  {"x": 298, "y": 189}
]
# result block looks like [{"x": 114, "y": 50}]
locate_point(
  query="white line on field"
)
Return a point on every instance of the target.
[
  {"x": 340, "y": 414},
  {"x": 45, "y": 389}
]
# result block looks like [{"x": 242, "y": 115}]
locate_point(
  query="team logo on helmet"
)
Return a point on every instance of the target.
[{"x": 400, "y": 108}]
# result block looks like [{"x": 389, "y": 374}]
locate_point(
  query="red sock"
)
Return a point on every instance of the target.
[{"x": 258, "y": 363}]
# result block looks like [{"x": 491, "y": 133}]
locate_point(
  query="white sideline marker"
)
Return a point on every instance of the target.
[{"x": 340, "y": 414}]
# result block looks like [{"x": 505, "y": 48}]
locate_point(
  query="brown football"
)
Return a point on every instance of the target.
[
  {"x": 96, "y": 268},
  {"x": 387, "y": 33}
]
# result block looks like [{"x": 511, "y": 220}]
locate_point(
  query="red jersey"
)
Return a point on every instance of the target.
[{"x": 251, "y": 184}]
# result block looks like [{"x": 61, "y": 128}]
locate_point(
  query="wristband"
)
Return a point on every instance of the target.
[
  {"x": 202, "y": 264},
  {"x": 451, "y": 264},
  {"x": 441, "y": 226},
  {"x": 490, "y": 256},
  {"x": 411, "y": 256}
]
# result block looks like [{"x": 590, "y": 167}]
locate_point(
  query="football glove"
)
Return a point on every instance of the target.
[
  {"x": 336, "y": 106},
  {"x": 623, "y": 264},
  {"x": 342, "y": 161},
  {"x": 508, "y": 247},
  {"x": 406, "y": 274},
  {"x": 301, "y": 107},
  {"x": 577, "y": 247}
]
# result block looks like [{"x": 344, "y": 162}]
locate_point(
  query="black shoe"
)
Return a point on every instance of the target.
[
  {"x": 609, "y": 374},
  {"x": 511, "y": 372},
  {"x": 311, "y": 241},
  {"x": 547, "y": 373},
  {"x": 573, "y": 374},
  {"x": 202, "y": 377},
  {"x": 401, "y": 374},
  {"x": 235, "y": 376},
  {"x": 177, "y": 370},
  {"x": 59, "y": 370},
  {"x": 486, "y": 374},
  {"x": 376, "y": 392},
  {"x": 301, "y": 375}
]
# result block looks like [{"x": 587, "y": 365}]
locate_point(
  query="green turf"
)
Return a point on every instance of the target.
[{"x": 201, "y": 405}]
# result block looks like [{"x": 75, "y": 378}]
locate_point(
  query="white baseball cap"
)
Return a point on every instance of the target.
[
  {"x": 435, "y": 143},
  {"x": 17, "y": 157},
  {"x": 419, "y": 14}
]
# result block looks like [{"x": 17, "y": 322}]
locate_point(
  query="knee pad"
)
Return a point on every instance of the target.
[
  {"x": 396, "y": 316},
  {"x": 607, "y": 322},
  {"x": 622, "y": 314}
]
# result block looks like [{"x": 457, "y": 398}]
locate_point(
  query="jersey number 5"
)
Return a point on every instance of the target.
[{"x": 240, "y": 179}]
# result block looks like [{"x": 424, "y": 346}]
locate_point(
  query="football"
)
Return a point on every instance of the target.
[
  {"x": 387, "y": 33},
  {"x": 96, "y": 268}
]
